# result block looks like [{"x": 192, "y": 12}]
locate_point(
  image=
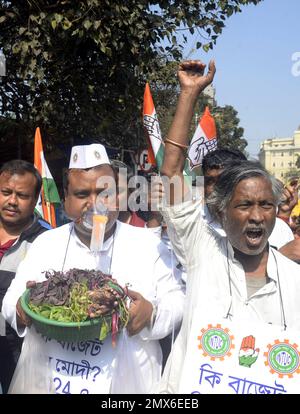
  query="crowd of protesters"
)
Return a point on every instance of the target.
[{"x": 231, "y": 255}]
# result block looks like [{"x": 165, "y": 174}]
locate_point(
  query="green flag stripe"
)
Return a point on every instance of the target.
[
  {"x": 50, "y": 191},
  {"x": 159, "y": 157}
]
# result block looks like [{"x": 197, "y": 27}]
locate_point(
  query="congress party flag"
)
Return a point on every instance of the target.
[
  {"x": 203, "y": 141},
  {"x": 155, "y": 144},
  {"x": 49, "y": 196},
  {"x": 153, "y": 134}
]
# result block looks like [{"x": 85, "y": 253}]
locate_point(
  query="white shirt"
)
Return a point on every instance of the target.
[
  {"x": 164, "y": 237},
  {"x": 281, "y": 234},
  {"x": 216, "y": 282},
  {"x": 139, "y": 259}
]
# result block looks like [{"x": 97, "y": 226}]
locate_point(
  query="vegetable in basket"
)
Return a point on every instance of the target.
[{"x": 79, "y": 295}]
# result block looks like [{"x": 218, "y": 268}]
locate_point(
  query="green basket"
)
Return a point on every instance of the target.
[{"x": 62, "y": 331}]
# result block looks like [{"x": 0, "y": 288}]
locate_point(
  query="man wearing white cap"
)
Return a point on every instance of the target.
[{"x": 132, "y": 256}]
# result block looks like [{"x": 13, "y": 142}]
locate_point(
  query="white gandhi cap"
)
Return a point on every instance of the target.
[{"x": 88, "y": 156}]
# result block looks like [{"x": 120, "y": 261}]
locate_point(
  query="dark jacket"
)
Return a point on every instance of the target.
[{"x": 10, "y": 344}]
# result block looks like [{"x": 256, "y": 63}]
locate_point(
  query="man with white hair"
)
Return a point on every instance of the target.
[{"x": 240, "y": 291}]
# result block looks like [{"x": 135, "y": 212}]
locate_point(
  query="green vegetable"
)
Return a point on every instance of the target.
[
  {"x": 104, "y": 330},
  {"x": 75, "y": 311},
  {"x": 81, "y": 302}
]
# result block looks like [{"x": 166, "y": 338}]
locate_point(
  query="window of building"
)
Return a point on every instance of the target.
[
  {"x": 281, "y": 175},
  {"x": 273, "y": 164},
  {"x": 282, "y": 154}
]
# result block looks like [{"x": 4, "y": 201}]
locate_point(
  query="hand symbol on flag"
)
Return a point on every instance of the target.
[
  {"x": 203, "y": 141},
  {"x": 248, "y": 353}
]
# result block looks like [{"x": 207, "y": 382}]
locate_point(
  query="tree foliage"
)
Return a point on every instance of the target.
[
  {"x": 230, "y": 134},
  {"x": 77, "y": 68}
]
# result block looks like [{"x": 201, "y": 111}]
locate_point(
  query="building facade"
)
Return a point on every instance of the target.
[{"x": 279, "y": 155}]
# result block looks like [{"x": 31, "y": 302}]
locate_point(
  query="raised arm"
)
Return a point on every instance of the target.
[{"x": 192, "y": 82}]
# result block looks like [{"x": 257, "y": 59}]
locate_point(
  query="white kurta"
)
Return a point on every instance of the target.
[
  {"x": 133, "y": 255},
  {"x": 216, "y": 283},
  {"x": 281, "y": 234}
]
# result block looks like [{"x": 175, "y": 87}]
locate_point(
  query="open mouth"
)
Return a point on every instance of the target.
[{"x": 254, "y": 236}]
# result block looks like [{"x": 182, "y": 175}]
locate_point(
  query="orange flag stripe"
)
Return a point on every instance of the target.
[
  {"x": 38, "y": 148},
  {"x": 148, "y": 109},
  {"x": 208, "y": 124},
  {"x": 48, "y": 209}
]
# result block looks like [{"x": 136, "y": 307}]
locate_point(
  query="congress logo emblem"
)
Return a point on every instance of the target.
[
  {"x": 283, "y": 358},
  {"x": 216, "y": 342}
]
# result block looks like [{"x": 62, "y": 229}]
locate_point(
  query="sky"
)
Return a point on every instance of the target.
[{"x": 255, "y": 70}]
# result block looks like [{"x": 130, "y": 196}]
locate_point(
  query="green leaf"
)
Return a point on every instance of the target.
[
  {"x": 53, "y": 24},
  {"x": 66, "y": 24},
  {"x": 87, "y": 24},
  {"x": 16, "y": 48},
  {"x": 32, "y": 64},
  {"x": 104, "y": 330},
  {"x": 97, "y": 24},
  {"x": 36, "y": 52},
  {"x": 24, "y": 48},
  {"x": 10, "y": 14},
  {"x": 58, "y": 17},
  {"x": 34, "y": 18},
  {"x": 22, "y": 30}
]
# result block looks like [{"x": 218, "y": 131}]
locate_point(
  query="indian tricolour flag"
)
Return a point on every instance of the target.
[
  {"x": 155, "y": 144},
  {"x": 153, "y": 134},
  {"x": 203, "y": 141},
  {"x": 49, "y": 196}
]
